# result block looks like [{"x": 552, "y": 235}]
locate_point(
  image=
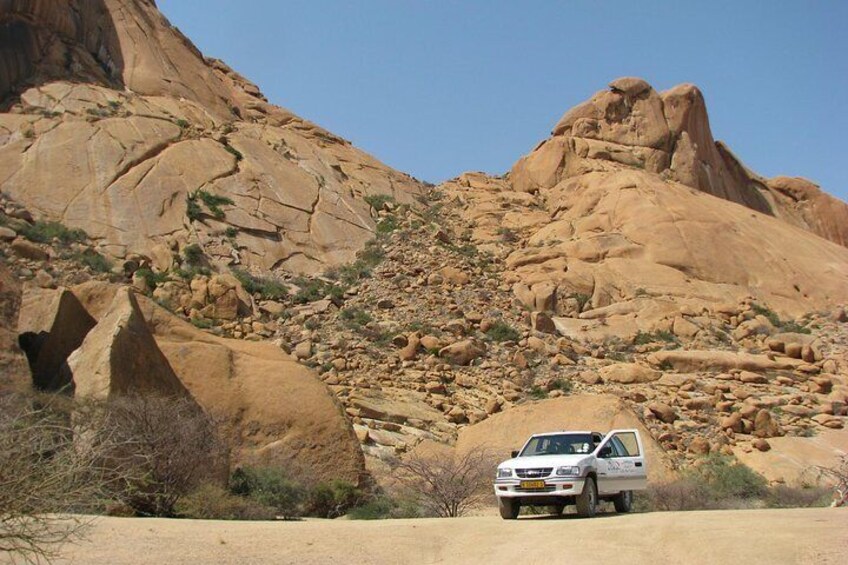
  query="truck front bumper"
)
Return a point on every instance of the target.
[{"x": 558, "y": 486}]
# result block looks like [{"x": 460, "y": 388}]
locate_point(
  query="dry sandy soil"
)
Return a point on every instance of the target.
[{"x": 750, "y": 536}]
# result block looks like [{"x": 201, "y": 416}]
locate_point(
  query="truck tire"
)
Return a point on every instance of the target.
[
  {"x": 623, "y": 501},
  {"x": 587, "y": 501},
  {"x": 509, "y": 508}
]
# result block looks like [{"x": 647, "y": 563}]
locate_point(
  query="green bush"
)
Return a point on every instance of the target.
[
  {"x": 333, "y": 499},
  {"x": 46, "y": 232},
  {"x": 183, "y": 124},
  {"x": 202, "y": 323},
  {"x": 384, "y": 507},
  {"x": 190, "y": 272},
  {"x": 93, "y": 260},
  {"x": 562, "y": 384},
  {"x": 387, "y": 225},
  {"x": 761, "y": 310},
  {"x": 193, "y": 210},
  {"x": 316, "y": 289},
  {"x": 726, "y": 478},
  {"x": 269, "y": 486},
  {"x": 211, "y": 502},
  {"x": 645, "y": 338},
  {"x": 501, "y": 331},
  {"x": 234, "y": 152},
  {"x": 193, "y": 254},
  {"x": 538, "y": 392},
  {"x": 267, "y": 288},
  {"x": 582, "y": 299},
  {"x": 366, "y": 260},
  {"x": 795, "y": 327},
  {"x": 214, "y": 202},
  {"x": 355, "y": 317},
  {"x": 153, "y": 279},
  {"x": 379, "y": 201},
  {"x": 231, "y": 232}
]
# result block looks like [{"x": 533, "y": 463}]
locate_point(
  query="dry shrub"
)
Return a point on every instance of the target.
[
  {"x": 837, "y": 477},
  {"x": 213, "y": 502},
  {"x": 682, "y": 494},
  {"x": 782, "y": 496},
  {"x": 447, "y": 486},
  {"x": 43, "y": 478},
  {"x": 157, "y": 448}
]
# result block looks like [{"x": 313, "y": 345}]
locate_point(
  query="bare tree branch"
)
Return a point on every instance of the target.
[{"x": 447, "y": 485}]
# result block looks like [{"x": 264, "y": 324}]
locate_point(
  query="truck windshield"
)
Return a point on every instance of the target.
[{"x": 559, "y": 444}]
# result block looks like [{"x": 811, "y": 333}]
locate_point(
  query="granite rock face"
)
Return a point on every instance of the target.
[{"x": 114, "y": 123}]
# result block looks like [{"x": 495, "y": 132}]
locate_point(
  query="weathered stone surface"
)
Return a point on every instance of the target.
[
  {"x": 135, "y": 122},
  {"x": 119, "y": 356},
  {"x": 462, "y": 352},
  {"x": 791, "y": 459},
  {"x": 719, "y": 361},
  {"x": 629, "y": 373},
  {"x": 52, "y": 325}
]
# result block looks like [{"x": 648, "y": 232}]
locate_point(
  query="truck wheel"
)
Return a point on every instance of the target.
[
  {"x": 623, "y": 501},
  {"x": 587, "y": 501},
  {"x": 509, "y": 508}
]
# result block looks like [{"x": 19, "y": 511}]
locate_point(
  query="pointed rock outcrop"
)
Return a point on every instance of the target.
[{"x": 119, "y": 356}]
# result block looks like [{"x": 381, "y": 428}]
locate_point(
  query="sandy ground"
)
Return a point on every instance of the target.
[{"x": 744, "y": 537}]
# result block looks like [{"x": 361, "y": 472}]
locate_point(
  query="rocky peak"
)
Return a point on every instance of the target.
[{"x": 632, "y": 125}]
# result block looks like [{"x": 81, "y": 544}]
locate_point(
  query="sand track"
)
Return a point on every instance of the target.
[{"x": 751, "y": 536}]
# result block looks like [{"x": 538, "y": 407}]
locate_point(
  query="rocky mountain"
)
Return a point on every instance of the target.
[
  {"x": 114, "y": 123},
  {"x": 165, "y": 228}
]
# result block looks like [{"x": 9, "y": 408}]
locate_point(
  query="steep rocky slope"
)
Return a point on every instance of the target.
[{"x": 114, "y": 123}]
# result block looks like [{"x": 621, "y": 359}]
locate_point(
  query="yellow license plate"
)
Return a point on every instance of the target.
[{"x": 532, "y": 484}]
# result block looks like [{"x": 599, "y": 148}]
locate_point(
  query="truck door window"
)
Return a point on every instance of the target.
[{"x": 625, "y": 444}]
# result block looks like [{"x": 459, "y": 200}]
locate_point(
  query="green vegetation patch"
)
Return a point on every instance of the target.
[
  {"x": 501, "y": 331},
  {"x": 46, "y": 232}
]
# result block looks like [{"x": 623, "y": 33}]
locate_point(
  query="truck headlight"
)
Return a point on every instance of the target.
[
  {"x": 568, "y": 472},
  {"x": 504, "y": 473}
]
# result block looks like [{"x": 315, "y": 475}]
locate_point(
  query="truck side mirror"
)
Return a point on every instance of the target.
[{"x": 514, "y": 454}]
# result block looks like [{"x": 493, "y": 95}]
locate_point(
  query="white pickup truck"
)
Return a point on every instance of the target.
[{"x": 561, "y": 468}]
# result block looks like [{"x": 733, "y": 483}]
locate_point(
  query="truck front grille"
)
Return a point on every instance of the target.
[{"x": 539, "y": 473}]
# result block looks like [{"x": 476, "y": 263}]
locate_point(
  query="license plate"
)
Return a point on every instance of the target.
[{"x": 532, "y": 484}]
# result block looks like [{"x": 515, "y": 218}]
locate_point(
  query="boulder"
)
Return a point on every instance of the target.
[
  {"x": 462, "y": 352},
  {"x": 542, "y": 322},
  {"x": 663, "y": 412},
  {"x": 28, "y": 250},
  {"x": 52, "y": 325},
  {"x": 714, "y": 360},
  {"x": 629, "y": 373},
  {"x": 765, "y": 425},
  {"x": 272, "y": 410},
  {"x": 120, "y": 356}
]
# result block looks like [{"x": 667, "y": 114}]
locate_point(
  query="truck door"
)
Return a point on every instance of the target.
[{"x": 621, "y": 462}]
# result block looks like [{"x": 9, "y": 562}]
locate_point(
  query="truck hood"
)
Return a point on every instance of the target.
[{"x": 546, "y": 461}]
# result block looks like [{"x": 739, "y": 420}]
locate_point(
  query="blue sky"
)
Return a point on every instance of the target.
[{"x": 438, "y": 87}]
